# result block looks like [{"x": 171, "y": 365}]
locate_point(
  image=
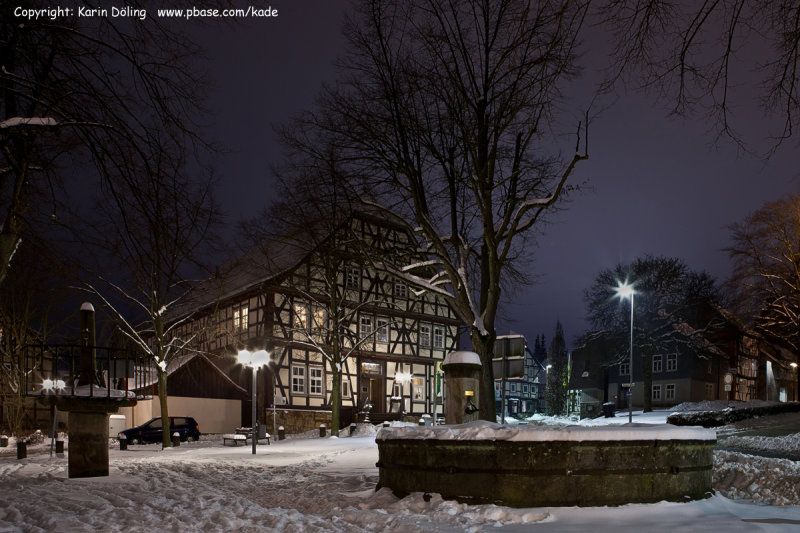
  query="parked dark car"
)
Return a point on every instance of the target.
[{"x": 150, "y": 431}]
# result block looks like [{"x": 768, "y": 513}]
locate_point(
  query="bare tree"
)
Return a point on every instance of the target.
[
  {"x": 766, "y": 275},
  {"x": 314, "y": 218},
  {"x": 671, "y": 311},
  {"x": 709, "y": 57},
  {"x": 81, "y": 99},
  {"x": 443, "y": 109},
  {"x": 159, "y": 230}
]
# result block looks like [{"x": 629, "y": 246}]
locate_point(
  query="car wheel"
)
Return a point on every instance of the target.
[
  {"x": 195, "y": 437},
  {"x": 138, "y": 439}
]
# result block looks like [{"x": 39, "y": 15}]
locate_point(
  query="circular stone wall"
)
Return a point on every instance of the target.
[{"x": 481, "y": 462}]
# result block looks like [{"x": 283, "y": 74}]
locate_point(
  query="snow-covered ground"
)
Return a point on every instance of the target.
[{"x": 328, "y": 484}]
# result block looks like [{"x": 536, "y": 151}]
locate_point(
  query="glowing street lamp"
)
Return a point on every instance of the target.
[
  {"x": 254, "y": 360},
  {"x": 624, "y": 290}
]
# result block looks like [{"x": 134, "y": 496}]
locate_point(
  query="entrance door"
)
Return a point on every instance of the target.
[{"x": 371, "y": 385}]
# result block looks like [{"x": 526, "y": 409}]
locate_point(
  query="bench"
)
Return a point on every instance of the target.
[
  {"x": 247, "y": 433},
  {"x": 234, "y": 439}
]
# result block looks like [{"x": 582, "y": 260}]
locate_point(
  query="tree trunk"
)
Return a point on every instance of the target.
[
  {"x": 484, "y": 346},
  {"x": 336, "y": 401},
  {"x": 166, "y": 438}
]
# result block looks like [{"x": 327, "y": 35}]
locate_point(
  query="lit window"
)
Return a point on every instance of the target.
[
  {"x": 669, "y": 392},
  {"x": 624, "y": 368},
  {"x": 424, "y": 336},
  {"x": 419, "y": 388},
  {"x": 300, "y": 316},
  {"x": 497, "y": 387},
  {"x": 382, "y": 334},
  {"x": 400, "y": 290},
  {"x": 315, "y": 380},
  {"x": 298, "y": 379},
  {"x": 672, "y": 362},
  {"x": 438, "y": 337},
  {"x": 320, "y": 319},
  {"x": 240, "y": 315},
  {"x": 657, "y": 364},
  {"x": 656, "y": 392},
  {"x": 366, "y": 326}
]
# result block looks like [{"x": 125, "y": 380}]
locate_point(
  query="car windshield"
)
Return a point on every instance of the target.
[{"x": 155, "y": 423}]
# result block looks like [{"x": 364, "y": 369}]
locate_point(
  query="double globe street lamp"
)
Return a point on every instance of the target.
[{"x": 255, "y": 360}]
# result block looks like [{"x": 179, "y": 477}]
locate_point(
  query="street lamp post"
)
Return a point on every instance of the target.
[
  {"x": 254, "y": 360},
  {"x": 625, "y": 290}
]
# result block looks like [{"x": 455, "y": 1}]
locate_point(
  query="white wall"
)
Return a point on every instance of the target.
[{"x": 212, "y": 415}]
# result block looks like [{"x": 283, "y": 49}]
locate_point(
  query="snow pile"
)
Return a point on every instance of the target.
[
  {"x": 784, "y": 444},
  {"x": 482, "y": 430},
  {"x": 718, "y": 405},
  {"x": 763, "y": 480}
]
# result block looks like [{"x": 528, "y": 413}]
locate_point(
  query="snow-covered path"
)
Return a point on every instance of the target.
[{"x": 329, "y": 485}]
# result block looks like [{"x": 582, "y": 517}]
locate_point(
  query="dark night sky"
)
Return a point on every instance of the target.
[{"x": 657, "y": 185}]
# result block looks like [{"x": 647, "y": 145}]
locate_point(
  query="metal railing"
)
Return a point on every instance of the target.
[{"x": 111, "y": 373}]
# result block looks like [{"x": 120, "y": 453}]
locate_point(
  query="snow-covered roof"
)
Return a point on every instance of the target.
[{"x": 262, "y": 264}]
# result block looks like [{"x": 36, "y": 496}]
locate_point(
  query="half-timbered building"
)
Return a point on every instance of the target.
[{"x": 274, "y": 298}]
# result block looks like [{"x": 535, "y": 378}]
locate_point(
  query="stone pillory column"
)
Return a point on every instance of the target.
[{"x": 462, "y": 371}]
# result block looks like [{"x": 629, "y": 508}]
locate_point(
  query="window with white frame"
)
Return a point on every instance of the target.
[
  {"x": 497, "y": 387},
  {"x": 382, "y": 335},
  {"x": 353, "y": 278},
  {"x": 300, "y": 316},
  {"x": 656, "y": 392},
  {"x": 512, "y": 387},
  {"x": 657, "y": 363},
  {"x": 345, "y": 387},
  {"x": 315, "y": 380},
  {"x": 525, "y": 389},
  {"x": 424, "y": 335},
  {"x": 418, "y": 388},
  {"x": 298, "y": 379},
  {"x": 624, "y": 368},
  {"x": 366, "y": 326},
  {"x": 240, "y": 316},
  {"x": 400, "y": 290},
  {"x": 669, "y": 391},
  {"x": 672, "y": 362},
  {"x": 438, "y": 337}
]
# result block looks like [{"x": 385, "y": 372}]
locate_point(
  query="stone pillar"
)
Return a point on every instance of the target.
[
  {"x": 88, "y": 443},
  {"x": 87, "y": 364},
  {"x": 462, "y": 373}
]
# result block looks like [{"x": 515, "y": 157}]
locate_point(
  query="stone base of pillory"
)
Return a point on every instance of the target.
[{"x": 540, "y": 466}]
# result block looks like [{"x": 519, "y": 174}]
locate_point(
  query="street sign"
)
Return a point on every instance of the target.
[
  {"x": 627, "y": 385},
  {"x": 727, "y": 388}
]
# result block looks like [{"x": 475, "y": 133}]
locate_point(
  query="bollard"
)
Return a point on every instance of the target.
[
  {"x": 421, "y": 422},
  {"x": 176, "y": 439},
  {"x": 353, "y": 427},
  {"x": 123, "y": 442},
  {"x": 3, "y": 441},
  {"x": 22, "y": 449},
  {"x": 281, "y": 433},
  {"x": 60, "y": 445},
  {"x": 322, "y": 430}
]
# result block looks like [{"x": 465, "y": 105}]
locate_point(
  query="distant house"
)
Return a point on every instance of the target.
[
  {"x": 730, "y": 363},
  {"x": 262, "y": 301},
  {"x": 520, "y": 377}
]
